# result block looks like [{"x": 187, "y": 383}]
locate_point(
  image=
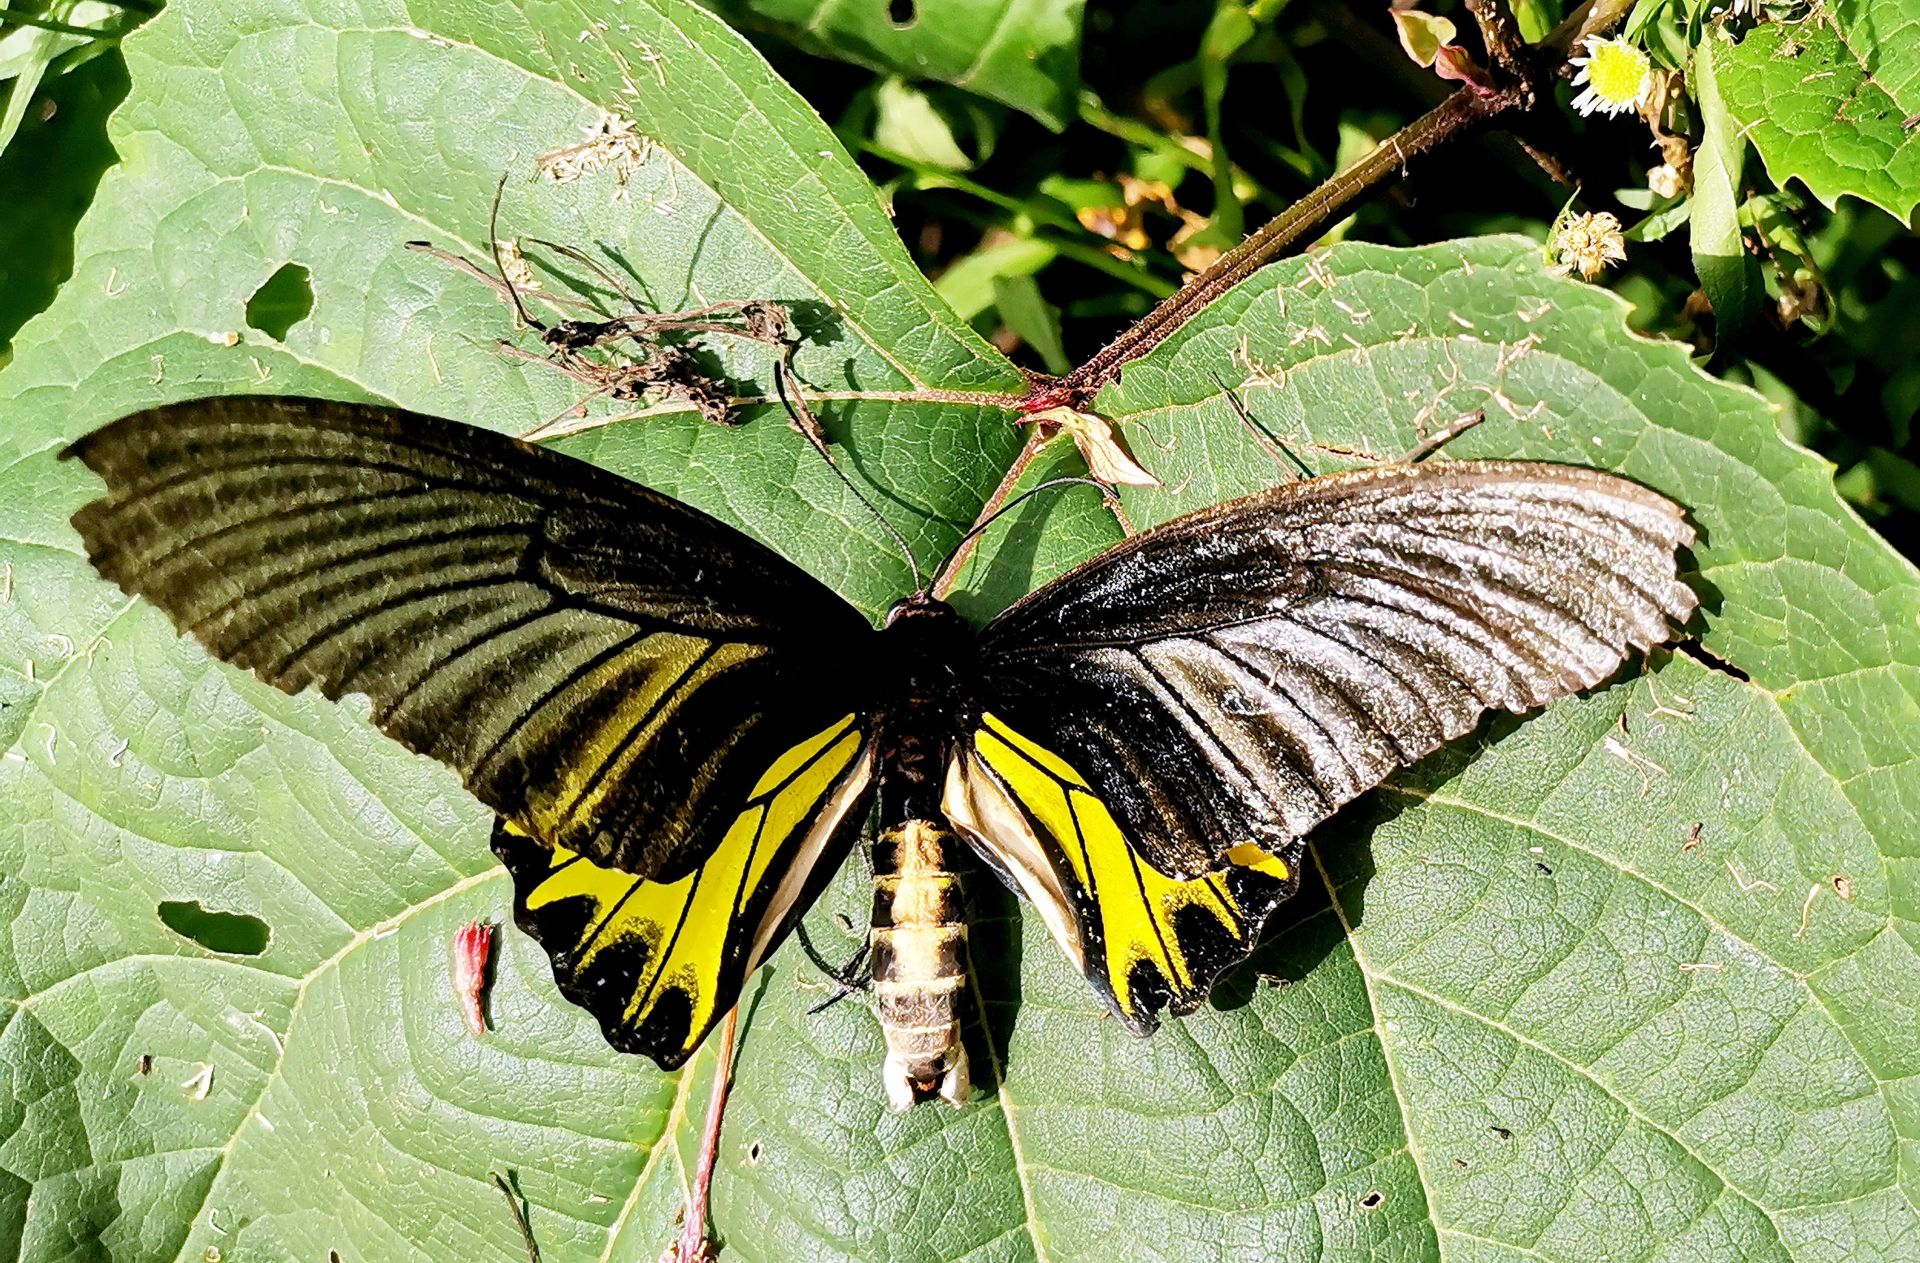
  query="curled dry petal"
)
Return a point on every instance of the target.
[
  {"x": 472, "y": 953},
  {"x": 1105, "y": 452}
]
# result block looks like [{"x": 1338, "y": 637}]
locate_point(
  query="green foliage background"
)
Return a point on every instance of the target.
[{"x": 1523, "y": 1009}]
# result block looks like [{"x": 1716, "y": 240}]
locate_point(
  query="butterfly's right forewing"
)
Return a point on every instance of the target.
[{"x": 1182, "y": 709}]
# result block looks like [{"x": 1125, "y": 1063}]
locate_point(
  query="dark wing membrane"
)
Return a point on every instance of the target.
[
  {"x": 1235, "y": 675},
  {"x": 658, "y": 962},
  {"x": 1146, "y": 941},
  {"x": 606, "y": 667}
]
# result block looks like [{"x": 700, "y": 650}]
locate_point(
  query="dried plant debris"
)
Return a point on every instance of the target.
[
  {"x": 1108, "y": 458},
  {"x": 635, "y": 356},
  {"x": 612, "y": 144}
]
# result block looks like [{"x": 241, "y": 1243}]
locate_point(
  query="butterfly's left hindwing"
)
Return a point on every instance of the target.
[
  {"x": 1146, "y": 941},
  {"x": 658, "y": 962}
]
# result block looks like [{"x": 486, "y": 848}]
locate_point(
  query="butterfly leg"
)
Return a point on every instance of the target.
[
  {"x": 849, "y": 975},
  {"x": 846, "y": 986}
]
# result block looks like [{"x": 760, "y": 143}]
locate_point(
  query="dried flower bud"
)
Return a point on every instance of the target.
[
  {"x": 472, "y": 953},
  {"x": 1456, "y": 63},
  {"x": 1587, "y": 243},
  {"x": 1666, "y": 181}
]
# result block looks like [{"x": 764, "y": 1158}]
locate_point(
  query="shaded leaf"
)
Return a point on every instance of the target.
[
  {"x": 1730, "y": 277},
  {"x": 1023, "y": 53}
]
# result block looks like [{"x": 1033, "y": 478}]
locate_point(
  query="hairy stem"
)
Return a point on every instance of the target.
[
  {"x": 1519, "y": 98},
  {"x": 1310, "y": 217},
  {"x": 1501, "y": 34}
]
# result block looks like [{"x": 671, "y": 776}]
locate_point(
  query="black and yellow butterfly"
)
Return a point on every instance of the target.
[{"x": 682, "y": 732}]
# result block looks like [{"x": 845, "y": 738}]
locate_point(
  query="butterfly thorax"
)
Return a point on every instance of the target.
[{"x": 925, "y": 677}]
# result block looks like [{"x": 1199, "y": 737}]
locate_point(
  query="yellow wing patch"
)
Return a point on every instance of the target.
[
  {"x": 1143, "y": 939},
  {"x": 652, "y": 679},
  {"x": 659, "y": 961}
]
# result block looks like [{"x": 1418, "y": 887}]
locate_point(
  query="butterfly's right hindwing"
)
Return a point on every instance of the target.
[{"x": 1144, "y": 940}]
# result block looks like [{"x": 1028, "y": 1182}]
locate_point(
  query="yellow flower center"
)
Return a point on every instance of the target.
[{"x": 1618, "y": 72}]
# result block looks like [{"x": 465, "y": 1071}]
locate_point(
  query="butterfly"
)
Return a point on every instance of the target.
[{"x": 682, "y": 733}]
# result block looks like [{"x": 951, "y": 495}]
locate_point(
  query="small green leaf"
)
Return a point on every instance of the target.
[
  {"x": 968, "y": 284},
  {"x": 1831, "y": 100},
  {"x": 1727, "y": 272},
  {"x": 1422, "y": 35},
  {"x": 1028, "y": 314},
  {"x": 907, "y": 123}
]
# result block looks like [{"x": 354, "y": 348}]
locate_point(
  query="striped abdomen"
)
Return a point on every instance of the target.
[{"x": 919, "y": 963}]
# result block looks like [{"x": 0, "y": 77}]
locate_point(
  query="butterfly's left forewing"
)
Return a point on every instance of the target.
[{"x": 609, "y": 669}]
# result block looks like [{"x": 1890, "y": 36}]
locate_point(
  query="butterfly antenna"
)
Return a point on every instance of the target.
[
  {"x": 959, "y": 551},
  {"x": 499, "y": 263},
  {"x": 1276, "y": 451},
  {"x": 805, "y": 422}
]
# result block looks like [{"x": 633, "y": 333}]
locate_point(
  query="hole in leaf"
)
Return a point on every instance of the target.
[
  {"x": 1373, "y": 1200},
  {"x": 754, "y": 1153},
  {"x": 230, "y": 933},
  {"x": 283, "y": 302},
  {"x": 903, "y": 13}
]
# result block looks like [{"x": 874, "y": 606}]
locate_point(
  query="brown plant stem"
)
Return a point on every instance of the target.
[
  {"x": 1310, "y": 217},
  {"x": 1501, "y": 34},
  {"x": 693, "y": 1246},
  {"x": 950, "y": 574},
  {"x": 1522, "y": 73}
]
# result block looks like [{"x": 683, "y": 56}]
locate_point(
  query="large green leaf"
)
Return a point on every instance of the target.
[
  {"x": 1023, "y": 53},
  {"x": 1831, "y": 99},
  {"x": 1485, "y": 1050}
]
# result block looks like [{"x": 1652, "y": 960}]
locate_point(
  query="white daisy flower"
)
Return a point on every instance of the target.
[{"x": 1617, "y": 76}]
